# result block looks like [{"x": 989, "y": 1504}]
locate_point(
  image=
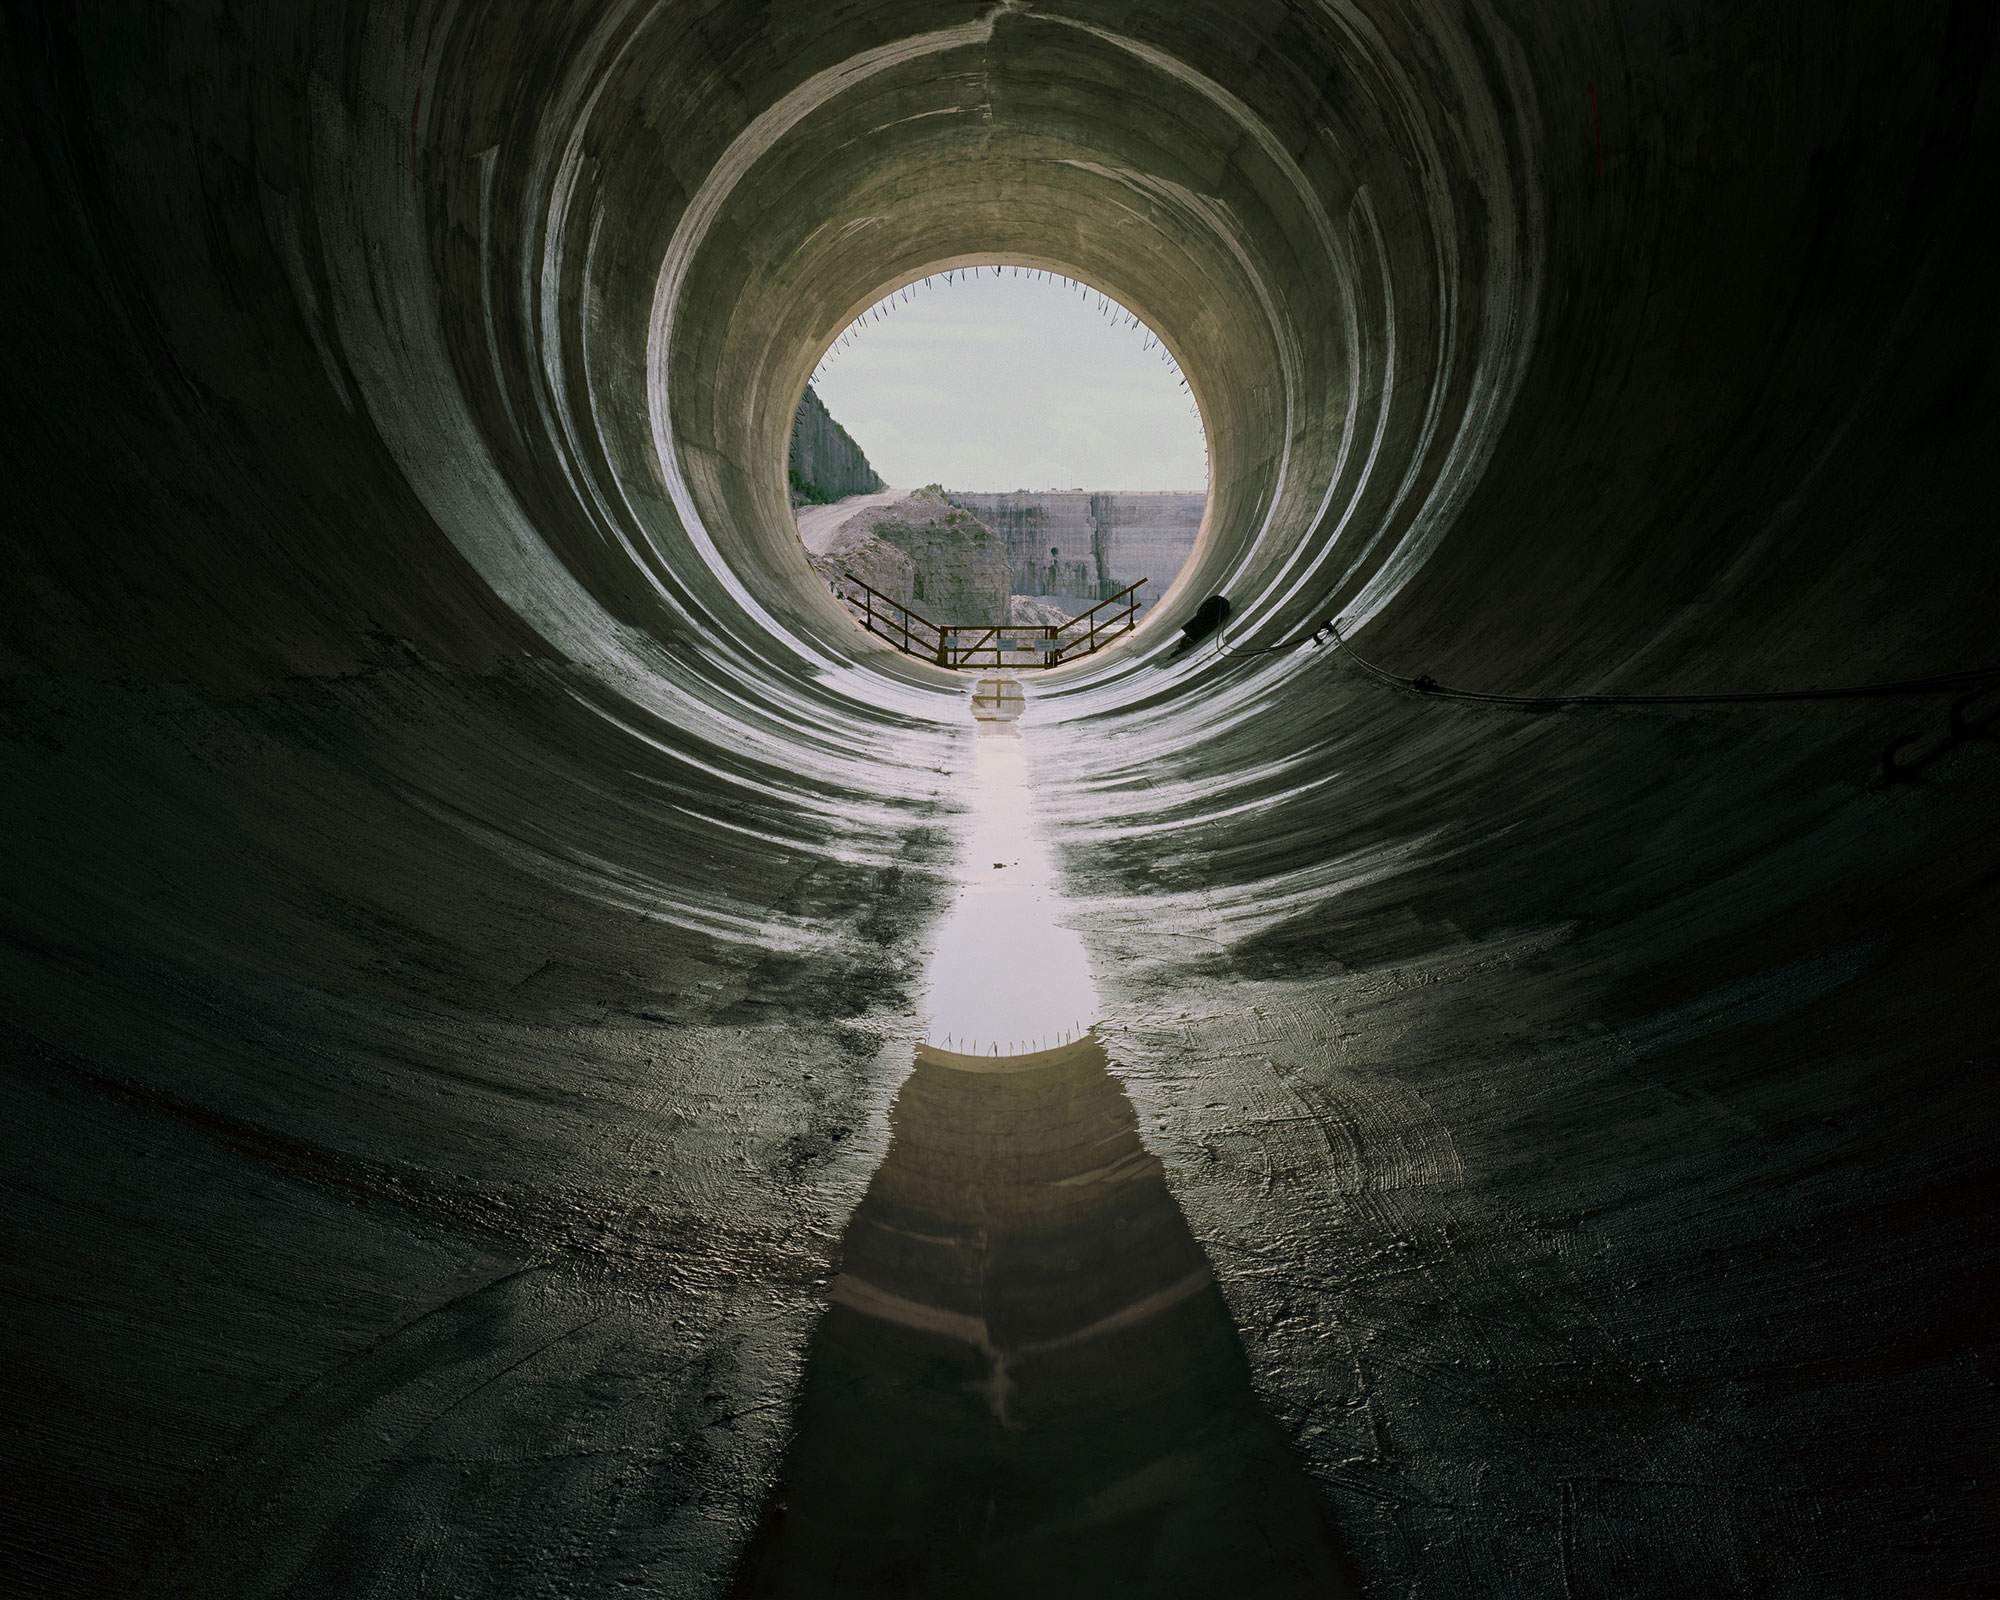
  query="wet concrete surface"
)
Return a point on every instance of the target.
[
  {"x": 1645, "y": 1276},
  {"x": 468, "y": 891},
  {"x": 1027, "y": 1379},
  {"x": 1005, "y": 976},
  {"x": 551, "y": 1162}
]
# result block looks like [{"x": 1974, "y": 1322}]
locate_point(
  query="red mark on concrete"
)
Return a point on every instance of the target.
[{"x": 1596, "y": 131}]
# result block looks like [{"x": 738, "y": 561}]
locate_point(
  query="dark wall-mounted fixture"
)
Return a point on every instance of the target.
[{"x": 1209, "y": 616}]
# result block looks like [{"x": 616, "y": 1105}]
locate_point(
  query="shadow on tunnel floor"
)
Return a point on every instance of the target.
[{"x": 1028, "y": 1381}]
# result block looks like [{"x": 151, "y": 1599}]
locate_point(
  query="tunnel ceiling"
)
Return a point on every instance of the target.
[{"x": 469, "y": 885}]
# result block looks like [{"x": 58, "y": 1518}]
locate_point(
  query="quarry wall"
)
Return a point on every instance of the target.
[
  {"x": 1079, "y": 547},
  {"x": 826, "y": 463}
]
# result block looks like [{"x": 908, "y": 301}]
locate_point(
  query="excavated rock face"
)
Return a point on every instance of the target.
[
  {"x": 960, "y": 571},
  {"x": 921, "y": 552},
  {"x": 1036, "y": 611},
  {"x": 824, "y": 461},
  {"x": 856, "y": 552},
  {"x": 468, "y": 883}
]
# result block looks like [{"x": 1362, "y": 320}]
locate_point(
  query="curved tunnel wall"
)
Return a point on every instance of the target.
[{"x": 469, "y": 883}]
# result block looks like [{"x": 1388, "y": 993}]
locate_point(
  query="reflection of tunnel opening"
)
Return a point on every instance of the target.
[
  {"x": 1026, "y": 1378},
  {"x": 468, "y": 890},
  {"x": 1007, "y": 974}
]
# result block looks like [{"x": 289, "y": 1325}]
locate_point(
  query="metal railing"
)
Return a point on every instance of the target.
[{"x": 996, "y": 644}]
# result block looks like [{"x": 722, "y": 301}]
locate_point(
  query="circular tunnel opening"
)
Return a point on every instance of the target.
[
  {"x": 1350, "y": 365},
  {"x": 1061, "y": 454}
]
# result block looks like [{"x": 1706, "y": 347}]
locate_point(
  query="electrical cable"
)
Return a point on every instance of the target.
[{"x": 1423, "y": 683}]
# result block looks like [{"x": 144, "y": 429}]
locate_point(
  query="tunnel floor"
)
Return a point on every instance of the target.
[{"x": 1028, "y": 1381}]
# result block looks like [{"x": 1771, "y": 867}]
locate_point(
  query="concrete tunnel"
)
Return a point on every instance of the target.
[{"x": 469, "y": 885}]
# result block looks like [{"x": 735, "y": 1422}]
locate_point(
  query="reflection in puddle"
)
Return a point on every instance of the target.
[
  {"x": 1028, "y": 1382},
  {"x": 1004, "y": 978}
]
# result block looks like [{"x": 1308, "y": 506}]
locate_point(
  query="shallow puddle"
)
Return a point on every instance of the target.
[
  {"x": 1005, "y": 977},
  {"x": 1027, "y": 1381}
]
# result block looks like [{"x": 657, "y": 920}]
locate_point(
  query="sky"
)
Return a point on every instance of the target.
[{"x": 1014, "y": 381}]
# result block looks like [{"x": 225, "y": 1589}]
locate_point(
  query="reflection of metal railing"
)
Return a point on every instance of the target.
[{"x": 996, "y": 644}]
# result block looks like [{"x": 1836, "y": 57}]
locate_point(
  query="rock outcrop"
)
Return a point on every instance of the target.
[
  {"x": 964, "y": 557},
  {"x": 826, "y": 463},
  {"x": 877, "y": 563},
  {"x": 855, "y": 552},
  {"x": 1033, "y": 611},
  {"x": 957, "y": 567}
]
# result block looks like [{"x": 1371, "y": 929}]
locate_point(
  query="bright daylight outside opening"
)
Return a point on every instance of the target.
[{"x": 1060, "y": 454}]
